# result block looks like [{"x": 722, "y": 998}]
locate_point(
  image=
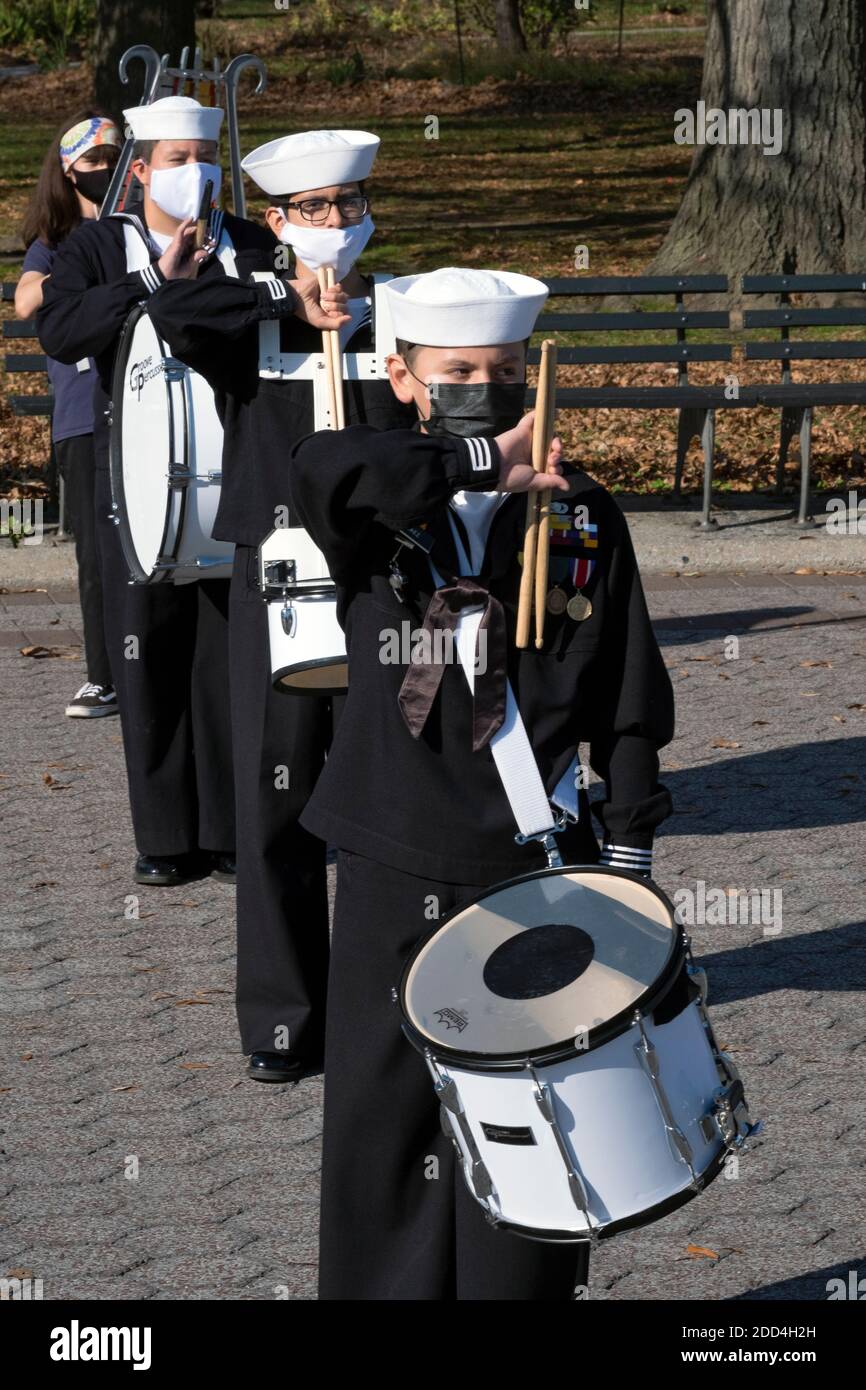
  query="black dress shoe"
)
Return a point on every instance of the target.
[
  {"x": 274, "y": 1066},
  {"x": 162, "y": 871},
  {"x": 224, "y": 867}
]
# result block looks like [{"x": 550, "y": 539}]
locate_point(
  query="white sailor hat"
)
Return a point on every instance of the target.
[
  {"x": 174, "y": 118},
  {"x": 465, "y": 308},
  {"x": 311, "y": 159}
]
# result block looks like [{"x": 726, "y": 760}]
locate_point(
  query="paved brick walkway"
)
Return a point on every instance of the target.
[{"x": 119, "y": 1034}]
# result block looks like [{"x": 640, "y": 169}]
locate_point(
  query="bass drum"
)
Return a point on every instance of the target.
[
  {"x": 565, "y": 1028},
  {"x": 166, "y": 452}
]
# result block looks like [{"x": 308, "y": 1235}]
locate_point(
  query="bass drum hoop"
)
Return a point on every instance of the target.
[
  {"x": 553, "y": 1052},
  {"x": 288, "y": 687},
  {"x": 115, "y": 457}
]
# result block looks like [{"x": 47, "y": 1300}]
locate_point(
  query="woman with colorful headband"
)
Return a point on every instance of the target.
[{"x": 72, "y": 184}]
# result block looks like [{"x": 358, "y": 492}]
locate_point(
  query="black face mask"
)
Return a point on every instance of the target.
[
  {"x": 93, "y": 183},
  {"x": 471, "y": 409}
]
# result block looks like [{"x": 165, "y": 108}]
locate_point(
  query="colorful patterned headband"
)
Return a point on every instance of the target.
[{"x": 98, "y": 130}]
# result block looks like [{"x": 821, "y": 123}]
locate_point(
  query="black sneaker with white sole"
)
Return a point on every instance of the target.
[{"x": 92, "y": 702}]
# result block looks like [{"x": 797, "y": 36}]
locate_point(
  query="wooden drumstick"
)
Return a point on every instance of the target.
[
  {"x": 530, "y": 539},
  {"x": 329, "y": 357},
  {"x": 547, "y": 408},
  {"x": 530, "y": 542},
  {"x": 331, "y": 280},
  {"x": 202, "y": 220}
]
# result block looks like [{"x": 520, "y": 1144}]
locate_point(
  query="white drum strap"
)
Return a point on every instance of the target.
[
  {"x": 510, "y": 746},
  {"x": 307, "y": 366}
]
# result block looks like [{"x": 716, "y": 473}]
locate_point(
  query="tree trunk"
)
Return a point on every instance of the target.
[
  {"x": 509, "y": 32},
  {"x": 167, "y": 25},
  {"x": 799, "y": 211}
]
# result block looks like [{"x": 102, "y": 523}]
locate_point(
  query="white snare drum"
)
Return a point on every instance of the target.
[
  {"x": 565, "y": 1028},
  {"x": 308, "y": 647},
  {"x": 166, "y": 451}
]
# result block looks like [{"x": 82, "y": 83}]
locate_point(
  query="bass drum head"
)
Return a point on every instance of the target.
[
  {"x": 142, "y": 444},
  {"x": 538, "y": 960},
  {"x": 328, "y": 677}
]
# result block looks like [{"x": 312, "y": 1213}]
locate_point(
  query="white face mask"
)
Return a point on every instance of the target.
[
  {"x": 178, "y": 191},
  {"x": 339, "y": 247}
]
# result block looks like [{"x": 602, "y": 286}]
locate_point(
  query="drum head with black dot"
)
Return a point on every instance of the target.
[{"x": 538, "y": 961}]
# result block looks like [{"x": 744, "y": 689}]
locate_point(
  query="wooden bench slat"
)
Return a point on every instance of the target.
[
  {"x": 819, "y": 393},
  {"x": 31, "y": 405},
  {"x": 793, "y": 284},
  {"x": 783, "y": 352},
  {"x": 650, "y": 397},
  {"x": 19, "y": 328},
  {"x": 801, "y": 318},
  {"x": 663, "y": 352},
  {"x": 26, "y": 362},
  {"x": 609, "y": 323},
  {"x": 638, "y": 284}
]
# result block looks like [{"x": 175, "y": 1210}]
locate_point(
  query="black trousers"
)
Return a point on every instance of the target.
[
  {"x": 280, "y": 742},
  {"x": 168, "y": 649},
  {"x": 76, "y": 462},
  {"x": 388, "y": 1229}
]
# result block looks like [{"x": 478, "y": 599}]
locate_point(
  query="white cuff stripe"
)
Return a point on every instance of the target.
[
  {"x": 277, "y": 289},
  {"x": 640, "y": 856},
  {"x": 479, "y": 454},
  {"x": 150, "y": 278}
]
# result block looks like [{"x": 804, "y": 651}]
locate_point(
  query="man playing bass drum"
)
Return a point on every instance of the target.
[{"x": 167, "y": 644}]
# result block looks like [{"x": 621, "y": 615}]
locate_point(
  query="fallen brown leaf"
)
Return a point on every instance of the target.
[
  {"x": 53, "y": 784},
  {"x": 725, "y": 743},
  {"x": 195, "y": 1066},
  {"x": 701, "y": 1251},
  {"x": 817, "y": 663}
]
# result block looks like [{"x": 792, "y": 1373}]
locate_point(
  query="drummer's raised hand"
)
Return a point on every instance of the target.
[
  {"x": 321, "y": 309},
  {"x": 516, "y": 473},
  {"x": 180, "y": 260}
]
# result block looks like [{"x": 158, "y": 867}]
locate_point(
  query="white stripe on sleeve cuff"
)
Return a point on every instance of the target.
[{"x": 637, "y": 861}]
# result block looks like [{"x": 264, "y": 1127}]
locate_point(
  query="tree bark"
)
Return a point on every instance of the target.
[
  {"x": 799, "y": 211},
  {"x": 167, "y": 25},
  {"x": 509, "y": 31}
]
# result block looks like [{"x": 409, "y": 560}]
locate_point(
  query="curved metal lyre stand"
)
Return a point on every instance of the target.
[
  {"x": 230, "y": 86},
  {"x": 162, "y": 80},
  {"x": 152, "y": 73}
]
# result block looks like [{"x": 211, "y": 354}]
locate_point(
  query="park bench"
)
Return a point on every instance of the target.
[
  {"x": 797, "y": 400},
  {"x": 30, "y": 362},
  {"x": 695, "y": 405}
]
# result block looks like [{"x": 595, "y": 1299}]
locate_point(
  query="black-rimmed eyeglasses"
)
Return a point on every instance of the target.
[{"x": 352, "y": 206}]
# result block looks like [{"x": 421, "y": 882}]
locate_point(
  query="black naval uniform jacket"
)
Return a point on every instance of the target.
[
  {"x": 431, "y": 806},
  {"x": 212, "y": 324},
  {"x": 90, "y": 294}
]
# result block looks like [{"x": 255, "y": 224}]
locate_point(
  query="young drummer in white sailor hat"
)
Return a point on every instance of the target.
[
  {"x": 173, "y": 692},
  {"x": 318, "y": 205},
  {"x": 411, "y": 795}
]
